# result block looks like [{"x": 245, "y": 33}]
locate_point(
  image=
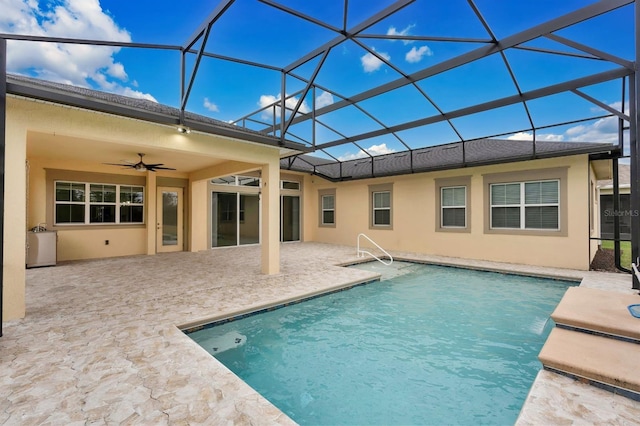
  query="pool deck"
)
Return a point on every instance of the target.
[{"x": 100, "y": 342}]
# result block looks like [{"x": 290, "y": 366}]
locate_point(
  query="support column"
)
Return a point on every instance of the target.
[
  {"x": 15, "y": 219},
  {"x": 270, "y": 197},
  {"x": 199, "y": 228}
]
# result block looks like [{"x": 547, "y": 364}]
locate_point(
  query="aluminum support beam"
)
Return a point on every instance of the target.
[
  {"x": 211, "y": 19},
  {"x": 634, "y": 143},
  {"x": 559, "y": 23},
  {"x": 498, "y": 103},
  {"x": 3, "y": 135}
]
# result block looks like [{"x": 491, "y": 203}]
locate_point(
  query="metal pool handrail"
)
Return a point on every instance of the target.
[{"x": 361, "y": 253}]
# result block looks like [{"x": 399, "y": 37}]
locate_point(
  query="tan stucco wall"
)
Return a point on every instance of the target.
[{"x": 414, "y": 217}]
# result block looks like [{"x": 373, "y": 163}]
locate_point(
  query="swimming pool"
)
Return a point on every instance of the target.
[{"x": 430, "y": 345}]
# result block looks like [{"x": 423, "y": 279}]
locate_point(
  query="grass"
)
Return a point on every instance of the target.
[{"x": 625, "y": 248}]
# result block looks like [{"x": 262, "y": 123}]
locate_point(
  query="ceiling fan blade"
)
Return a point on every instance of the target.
[
  {"x": 152, "y": 168},
  {"x": 119, "y": 164}
]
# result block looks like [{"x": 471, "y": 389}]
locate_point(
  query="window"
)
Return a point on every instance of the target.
[
  {"x": 380, "y": 204},
  {"x": 381, "y": 208},
  {"x": 328, "y": 209},
  {"x": 453, "y": 204},
  {"x": 526, "y": 205},
  {"x": 105, "y": 204},
  {"x": 288, "y": 184},
  {"x": 453, "y": 201}
]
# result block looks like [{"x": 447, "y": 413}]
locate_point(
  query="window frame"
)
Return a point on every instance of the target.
[
  {"x": 559, "y": 174},
  {"x": 522, "y": 205},
  {"x": 377, "y": 189},
  {"x": 440, "y": 184},
  {"x": 444, "y": 208},
  {"x": 321, "y": 210},
  {"x": 87, "y": 203}
]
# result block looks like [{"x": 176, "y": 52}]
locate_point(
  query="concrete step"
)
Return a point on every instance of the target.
[
  {"x": 607, "y": 363},
  {"x": 598, "y": 312}
]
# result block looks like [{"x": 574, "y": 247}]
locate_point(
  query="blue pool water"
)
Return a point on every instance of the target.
[{"x": 430, "y": 345}]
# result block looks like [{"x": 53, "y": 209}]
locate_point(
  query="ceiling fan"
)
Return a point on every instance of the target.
[{"x": 141, "y": 166}]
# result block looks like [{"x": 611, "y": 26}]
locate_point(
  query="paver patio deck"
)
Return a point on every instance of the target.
[{"x": 100, "y": 343}]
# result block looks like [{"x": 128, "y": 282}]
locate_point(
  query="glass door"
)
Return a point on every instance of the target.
[
  {"x": 235, "y": 219},
  {"x": 169, "y": 228},
  {"x": 290, "y": 218},
  {"x": 224, "y": 229}
]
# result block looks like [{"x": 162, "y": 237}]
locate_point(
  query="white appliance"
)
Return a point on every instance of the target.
[{"x": 41, "y": 248}]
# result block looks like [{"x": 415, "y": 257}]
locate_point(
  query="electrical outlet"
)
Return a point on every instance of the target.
[{"x": 106, "y": 242}]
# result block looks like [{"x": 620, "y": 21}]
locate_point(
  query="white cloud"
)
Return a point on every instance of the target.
[
  {"x": 373, "y": 150},
  {"x": 528, "y": 136},
  {"x": 290, "y": 103},
  {"x": 324, "y": 99},
  {"x": 416, "y": 55},
  {"x": 604, "y": 130},
  {"x": 371, "y": 63},
  {"x": 405, "y": 32},
  {"x": 210, "y": 105},
  {"x": 80, "y": 65}
]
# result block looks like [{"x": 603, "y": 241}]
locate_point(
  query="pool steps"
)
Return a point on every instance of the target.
[{"x": 596, "y": 340}]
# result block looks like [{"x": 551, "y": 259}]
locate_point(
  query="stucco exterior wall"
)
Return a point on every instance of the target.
[{"x": 414, "y": 216}]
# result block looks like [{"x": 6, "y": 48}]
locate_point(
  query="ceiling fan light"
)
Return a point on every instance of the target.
[
  {"x": 183, "y": 129},
  {"x": 140, "y": 168}
]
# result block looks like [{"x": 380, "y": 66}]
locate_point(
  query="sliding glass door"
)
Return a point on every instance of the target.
[{"x": 235, "y": 219}]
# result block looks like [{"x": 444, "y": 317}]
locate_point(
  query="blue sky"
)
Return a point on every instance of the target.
[{"x": 254, "y": 31}]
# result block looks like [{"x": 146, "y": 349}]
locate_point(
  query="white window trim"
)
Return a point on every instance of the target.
[
  {"x": 442, "y": 206},
  {"x": 522, "y": 205},
  {"x": 374, "y": 208},
  {"x": 87, "y": 204},
  {"x": 322, "y": 209},
  {"x": 283, "y": 182}
]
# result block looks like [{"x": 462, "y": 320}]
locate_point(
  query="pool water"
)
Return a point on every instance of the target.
[{"x": 430, "y": 345}]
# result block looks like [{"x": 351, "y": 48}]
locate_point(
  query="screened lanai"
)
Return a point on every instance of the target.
[{"x": 366, "y": 88}]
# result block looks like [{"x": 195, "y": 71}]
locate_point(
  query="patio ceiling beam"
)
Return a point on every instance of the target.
[
  {"x": 498, "y": 103},
  {"x": 548, "y": 27}
]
